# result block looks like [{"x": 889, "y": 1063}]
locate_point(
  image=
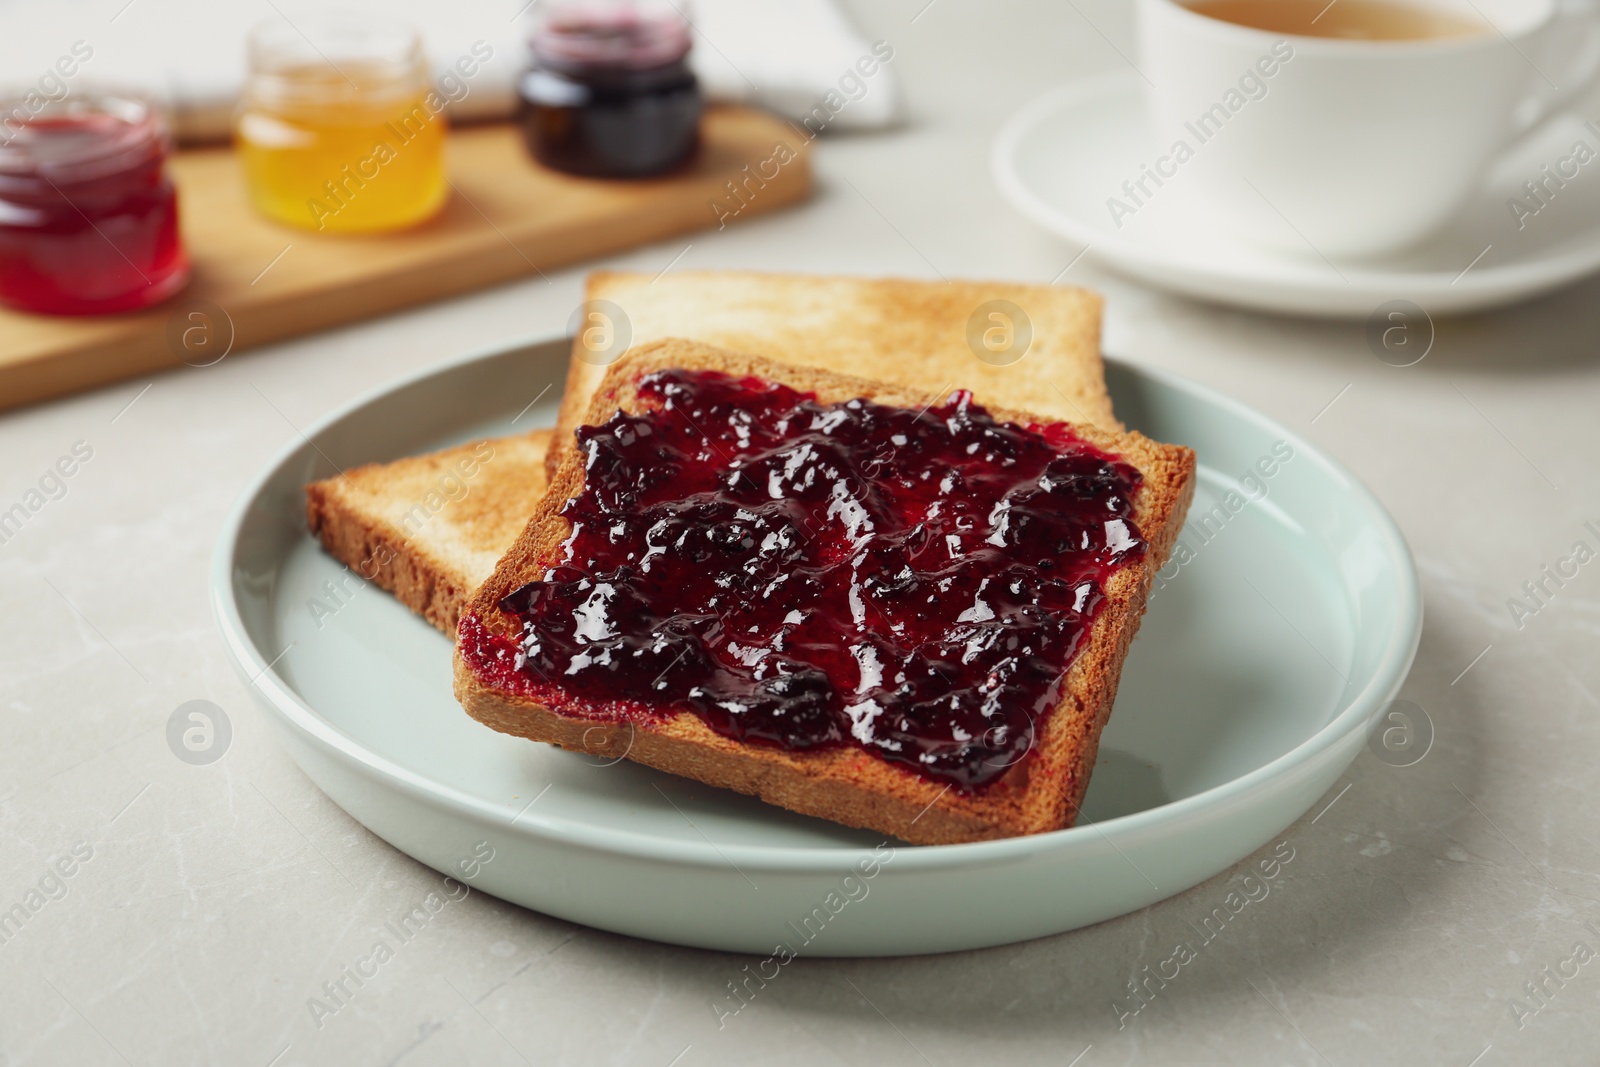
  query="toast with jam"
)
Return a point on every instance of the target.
[
  {"x": 847, "y": 597},
  {"x": 399, "y": 524}
]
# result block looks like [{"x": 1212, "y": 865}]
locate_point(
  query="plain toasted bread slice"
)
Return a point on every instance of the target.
[
  {"x": 845, "y": 784},
  {"x": 431, "y": 528},
  {"x": 917, "y": 334}
]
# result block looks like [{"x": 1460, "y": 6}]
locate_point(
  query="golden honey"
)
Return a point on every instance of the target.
[{"x": 342, "y": 134}]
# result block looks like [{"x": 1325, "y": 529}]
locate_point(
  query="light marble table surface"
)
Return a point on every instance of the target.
[{"x": 214, "y": 900}]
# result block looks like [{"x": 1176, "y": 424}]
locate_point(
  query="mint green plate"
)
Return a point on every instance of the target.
[{"x": 1286, "y": 622}]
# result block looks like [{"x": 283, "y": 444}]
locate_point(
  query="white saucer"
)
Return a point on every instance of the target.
[{"x": 1061, "y": 158}]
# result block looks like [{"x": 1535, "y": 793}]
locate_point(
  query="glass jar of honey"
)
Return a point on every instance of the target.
[
  {"x": 610, "y": 93},
  {"x": 339, "y": 130},
  {"x": 88, "y": 215}
]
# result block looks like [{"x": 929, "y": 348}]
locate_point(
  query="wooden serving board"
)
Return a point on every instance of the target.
[{"x": 256, "y": 281}]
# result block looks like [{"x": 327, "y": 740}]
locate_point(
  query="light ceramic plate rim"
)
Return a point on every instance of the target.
[
  {"x": 295, "y": 713},
  {"x": 1485, "y": 285}
]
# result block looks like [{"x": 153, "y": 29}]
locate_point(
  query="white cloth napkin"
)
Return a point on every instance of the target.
[{"x": 793, "y": 56}]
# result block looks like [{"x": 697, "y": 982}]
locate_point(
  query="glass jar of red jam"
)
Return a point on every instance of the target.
[
  {"x": 610, "y": 93},
  {"x": 88, "y": 215}
]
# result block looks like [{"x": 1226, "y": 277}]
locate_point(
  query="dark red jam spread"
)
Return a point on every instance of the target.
[{"x": 802, "y": 574}]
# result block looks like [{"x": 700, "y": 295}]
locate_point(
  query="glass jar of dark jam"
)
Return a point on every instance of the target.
[
  {"x": 610, "y": 93},
  {"x": 88, "y": 215}
]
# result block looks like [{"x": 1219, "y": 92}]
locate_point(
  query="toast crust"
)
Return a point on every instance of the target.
[
  {"x": 845, "y": 784},
  {"x": 914, "y": 333},
  {"x": 430, "y": 528}
]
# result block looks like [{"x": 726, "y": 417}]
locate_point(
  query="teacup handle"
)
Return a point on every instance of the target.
[{"x": 1582, "y": 70}]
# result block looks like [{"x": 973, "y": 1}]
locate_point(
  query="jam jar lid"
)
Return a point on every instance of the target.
[
  {"x": 611, "y": 34},
  {"x": 80, "y": 138}
]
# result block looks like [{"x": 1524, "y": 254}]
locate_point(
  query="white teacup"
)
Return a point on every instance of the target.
[{"x": 1355, "y": 148}]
